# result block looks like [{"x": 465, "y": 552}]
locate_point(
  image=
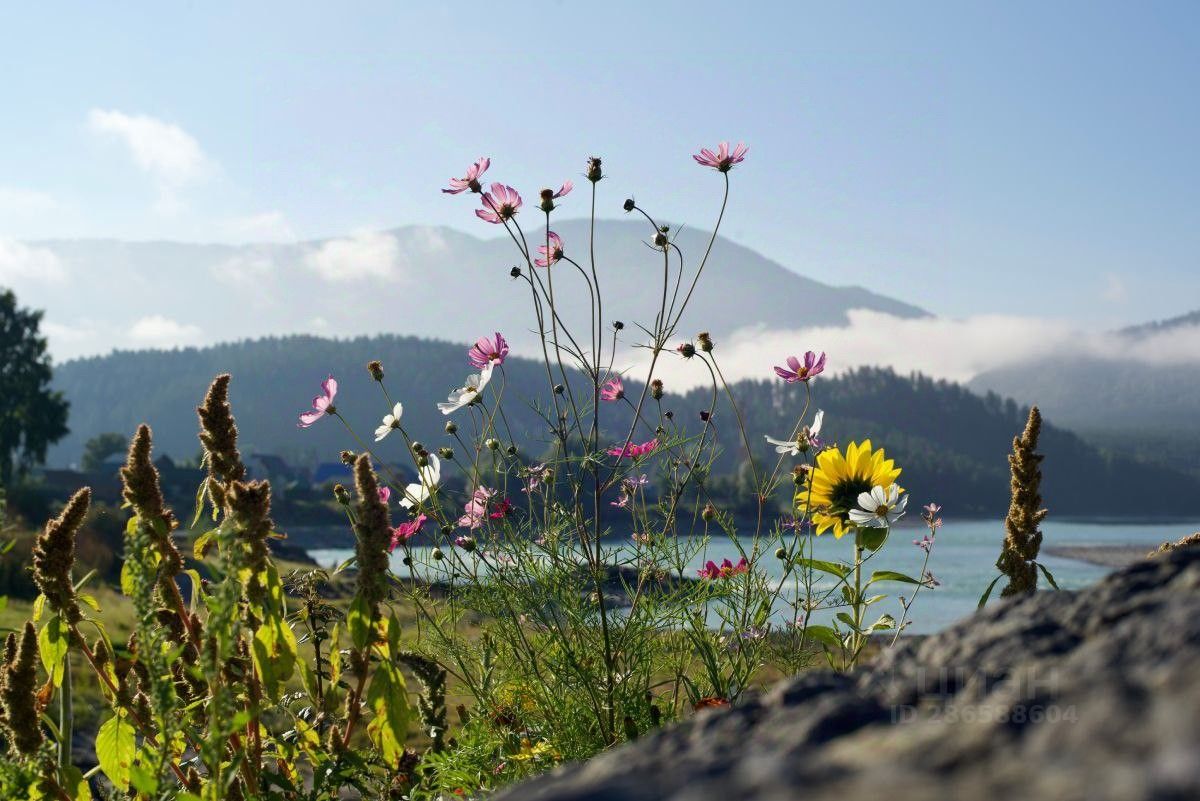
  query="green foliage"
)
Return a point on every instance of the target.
[
  {"x": 99, "y": 448},
  {"x": 33, "y": 416}
]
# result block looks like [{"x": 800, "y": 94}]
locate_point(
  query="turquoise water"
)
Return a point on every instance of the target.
[{"x": 963, "y": 560}]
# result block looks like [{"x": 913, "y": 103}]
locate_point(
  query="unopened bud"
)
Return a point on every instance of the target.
[
  {"x": 437, "y": 554},
  {"x": 547, "y": 204},
  {"x": 375, "y": 368},
  {"x": 629, "y": 204},
  {"x": 618, "y": 325},
  {"x": 656, "y": 389},
  {"x": 687, "y": 350},
  {"x": 593, "y": 169},
  {"x": 341, "y": 494},
  {"x": 660, "y": 240},
  {"x": 417, "y": 447},
  {"x": 451, "y": 426},
  {"x": 515, "y": 272},
  {"x": 511, "y": 450},
  {"x": 559, "y": 389},
  {"x": 670, "y": 415},
  {"x": 709, "y": 513},
  {"x": 800, "y": 474},
  {"x": 446, "y": 453},
  {"x": 466, "y": 543},
  {"x": 493, "y": 444},
  {"x": 781, "y": 554},
  {"x": 706, "y": 343}
]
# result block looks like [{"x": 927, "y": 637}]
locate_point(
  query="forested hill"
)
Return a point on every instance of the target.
[{"x": 951, "y": 442}]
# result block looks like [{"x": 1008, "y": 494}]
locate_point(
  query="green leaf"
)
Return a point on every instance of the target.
[
  {"x": 90, "y": 600},
  {"x": 39, "y": 606},
  {"x": 1047, "y": 574},
  {"x": 872, "y": 538},
  {"x": 824, "y": 635},
  {"x": 832, "y": 568},
  {"x": 74, "y": 785},
  {"x": 891, "y": 575},
  {"x": 143, "y": 780},
  {"x": 388, "y": 699},
  {"x": 203, "y": 543},
  {"x": 884, "y": 622},
  {"x": 115, "y": 749},
  {"x": 848, "y": 620},
  {"x": 201, "y": 493},
  {"x": 358, "y": 620},
  {"x": 127, "y": 578},
  {"x": 54, "y": 641},
  {"x": 983, "y": 599}
]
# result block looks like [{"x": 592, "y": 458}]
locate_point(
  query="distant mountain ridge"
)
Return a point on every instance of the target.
[
  {"x": 412, "y": 280},
  {"x": 951, "y": 443}
]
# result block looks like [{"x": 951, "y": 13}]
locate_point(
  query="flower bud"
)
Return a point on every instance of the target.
[
  {"x": 686, "y": 349},
  {"x": 407, "y": 561},
  {"x": 515, "y": 272},
  {"x": 547, "y": 204},
  {"x": 656, "y": 389},
  {"x": 705, "y": 415},
  {"x": 451, "y": 426},
  {"x": 709, "y": 513},
  {"x": 511, "y": 450},
  {"x": 348, "y": 457},
  {"x": 670, "y": 415},
  {"x": 593, "y": 169},
  {"x": 629, "y": 204},
  {"x": 375, "y": 368},
  {"x": 341, "y": 494},
  {"x": 422, "y": 460},
  {"x": 446, "y": 453},
  {"x": 781, "y": 554},
  {"x": 447, "y": 530},
  {"x": 559, "y": 389},
  {"x": 706, "y": 343},
  {"x": 493, "y": 444},
  {"x": 618, "y": 325},
  {"x": 466, "y": 543},
  {"x": 660, "y": 240},
  {"x": 659, "y": 431},
  {"x": 437, "y": 554},
  {"x": 800, "y": 474}
]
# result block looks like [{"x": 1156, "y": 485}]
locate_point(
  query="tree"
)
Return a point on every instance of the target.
[
  {"x": 32, "y": 416},
  {"x": 100, "y": 447}
]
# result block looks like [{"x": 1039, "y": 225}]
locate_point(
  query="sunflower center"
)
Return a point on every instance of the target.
[{"x": 844, "y": 495}]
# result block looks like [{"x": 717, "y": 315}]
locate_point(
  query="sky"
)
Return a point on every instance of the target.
[{"x": 1028, "y": 159}]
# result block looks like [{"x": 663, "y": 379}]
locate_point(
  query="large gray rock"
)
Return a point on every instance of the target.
[{"x": 1092, "y": 694}]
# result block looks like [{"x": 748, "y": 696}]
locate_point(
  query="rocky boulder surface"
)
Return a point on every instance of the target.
[{"x": 1093, "y": 694}]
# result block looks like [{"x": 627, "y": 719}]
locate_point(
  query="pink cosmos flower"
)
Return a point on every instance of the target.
[
  {"x": 475, "y": 511},
  {"x": 488, "y": 350},
  {"x": 796, "y": 371},
  {"x": 385, "y": 494},
  {"x": 404, "y": 532},
  {"x": 534, "y": 477},
  {"x": 551, "y": 254},
  {"x": 632, "y": 451},
  {"x": 501, "y": 510},
  {"x": 466, "y": 543},
  {"x": 471, "y": 179},
  {"x": 725, "y": 570},
  {"x": 322, "y": 404},
  {"x": 722, "y": 160},
  {"x": 613, "y": 389},
  {"x": 548, "y": 196},
  {"x": 499, "y": 204}
]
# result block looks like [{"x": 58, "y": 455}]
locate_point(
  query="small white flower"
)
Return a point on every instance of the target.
[
  {"x": 427, "y": 478},
  {"x": 390, "y": 422},
  {"x": 801, "y": 443},
  {"x": 469, "y": 393},
  {"x": 879, "y": 508}
]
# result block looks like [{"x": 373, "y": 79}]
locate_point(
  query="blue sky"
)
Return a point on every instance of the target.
[{"x": 974, "y": 158}]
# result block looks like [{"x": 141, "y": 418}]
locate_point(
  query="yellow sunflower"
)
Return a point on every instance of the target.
[{"x": 836, "y": 481}]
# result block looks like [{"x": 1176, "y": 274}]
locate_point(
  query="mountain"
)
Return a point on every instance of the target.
[
  {"x": 1147, "y": 387},
  {"x": 419, "y": 280},
  {"x": 951, "y": 442}
]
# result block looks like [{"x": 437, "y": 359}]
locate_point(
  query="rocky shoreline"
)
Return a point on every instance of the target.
[{"x": 1070, "y": 696}]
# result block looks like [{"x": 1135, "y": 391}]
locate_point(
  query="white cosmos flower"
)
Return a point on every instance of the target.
[
  {"x": 427, "y": 478},
  {"x": 807, "y": 436},
  {"x": 470, "y": 393},
  {"x": 879, "y": 508},
  {"x": 390, "y": 422}
]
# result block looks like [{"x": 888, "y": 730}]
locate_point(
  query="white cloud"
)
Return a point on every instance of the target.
[
  {"x": 21, "y": 262},
  {"x": 1114, "y": 290},
  {"x": 269, "y": 226},
  {"x": 364, "y": 254},
  {"x": 161, "y": 149},
  {"x": 163, "y": 332},
  {"x": 244, "y": 269},
  {"x": 954, "y": 349}
]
